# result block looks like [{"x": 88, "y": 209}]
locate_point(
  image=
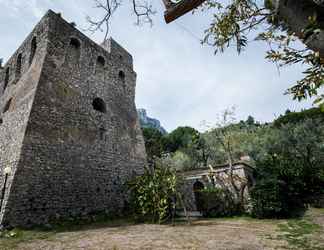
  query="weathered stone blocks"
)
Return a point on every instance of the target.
[{"x": 70, "y": 137}]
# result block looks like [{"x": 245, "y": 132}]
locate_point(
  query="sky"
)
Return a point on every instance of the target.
[{"x": 179, "y": 81}]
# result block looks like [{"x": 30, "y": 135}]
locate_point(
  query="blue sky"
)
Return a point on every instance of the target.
[{"x": 180, "y": 81}]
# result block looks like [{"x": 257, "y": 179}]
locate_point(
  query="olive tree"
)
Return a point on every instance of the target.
[
  {"x": 290, "y": 171},
  {"x": 223, "y": 136}
]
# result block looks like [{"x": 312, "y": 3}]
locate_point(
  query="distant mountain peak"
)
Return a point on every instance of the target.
[{"x": 148, "y": 122}]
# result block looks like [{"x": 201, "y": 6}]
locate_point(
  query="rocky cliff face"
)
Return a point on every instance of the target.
[{"x": 148, "y": 122}]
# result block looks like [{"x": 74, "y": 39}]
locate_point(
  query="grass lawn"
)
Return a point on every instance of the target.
[{"x": 239, "y": 233}]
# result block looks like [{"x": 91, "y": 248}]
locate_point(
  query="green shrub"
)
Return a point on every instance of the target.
[
  {"x": 290, "y": 174},
  {"x": 268, "y": 199},
  {"x": 153, "y": 192}
]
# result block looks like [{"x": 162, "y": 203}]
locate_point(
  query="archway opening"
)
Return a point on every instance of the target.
[
  {"x": 197, "y": 188},
  {"x": 75, "y": 43},
  {"x": 101, "y": 61}
]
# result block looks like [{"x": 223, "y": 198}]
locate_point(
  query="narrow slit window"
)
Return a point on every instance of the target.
[
  {"x": 18, "y": 65},
  {"x": 6, "y": 80},
  {"x": 121, "y": 76},
  {"x": 102, "y": 133},
  {"x": 7, "y": 107},
  {"x": 33, "y": 50}
]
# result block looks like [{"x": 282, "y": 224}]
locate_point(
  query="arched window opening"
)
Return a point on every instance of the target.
[
  {"x": 18, "y": 65},
  {"x": 33, "y": 50},
  {"x": 121, "y": 76},
  {"x": 6, "y": 80},
  {"x": 1, "y": 121},
  {"x": 100, "y": 67},
  {"x": 74, "y": 53},
  {"x": 197, "y": 188},
  {"x": 99, "y": 105},
  {"x": 7, "y": 107},
  {"x": 75, "y": 43},
  {"x": 101, "y": 61}
]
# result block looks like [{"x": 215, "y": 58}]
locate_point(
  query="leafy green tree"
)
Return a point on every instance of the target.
[
  {"x": 297, "y": 117},
  {"x": 181, "y": 161},
  {"x": 287, "y": 111},
  {"x": 180, "y": 138},
  {"x": 290, "y": 174},
  {"x": 230, "y": 140},
  {"x": 253, "y": 142},
  {"x": 227, "y": 135},
  {"x": 202, "y": 151},
  {"x": 186, "y": 145},
  {"x": 153, "y": 142},
  {"x": 250, "y": 121}
]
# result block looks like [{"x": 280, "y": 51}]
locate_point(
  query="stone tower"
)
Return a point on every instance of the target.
[{"x": 69, "y": 133}]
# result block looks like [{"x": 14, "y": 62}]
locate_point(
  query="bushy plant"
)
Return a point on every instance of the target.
[
  {"x": 153, "y": 193},
  {"x": 268, "y": 199}
]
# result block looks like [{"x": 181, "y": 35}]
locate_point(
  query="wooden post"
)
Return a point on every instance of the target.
[{"x": 176, "y": 10}]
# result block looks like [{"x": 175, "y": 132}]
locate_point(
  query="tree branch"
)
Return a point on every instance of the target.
[{"x": 141, "y": 8}]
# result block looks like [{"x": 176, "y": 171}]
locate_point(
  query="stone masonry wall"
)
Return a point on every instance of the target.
[
  {"x": 202, "y": 176},
  {"x": 83, "y": 141},
  {"x": 16, "y": 100}
]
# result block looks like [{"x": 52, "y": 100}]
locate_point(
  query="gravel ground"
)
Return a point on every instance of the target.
[{"x": 215, "y": 234}]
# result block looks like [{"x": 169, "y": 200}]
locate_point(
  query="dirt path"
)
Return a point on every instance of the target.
[
  {"x": 203, "y": 234},
  {"x": 216, "y": 234}
]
